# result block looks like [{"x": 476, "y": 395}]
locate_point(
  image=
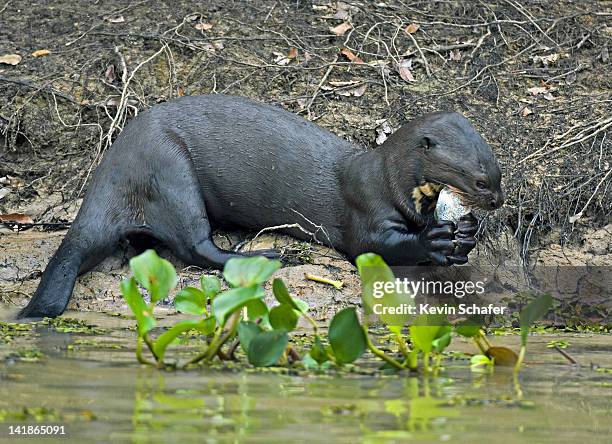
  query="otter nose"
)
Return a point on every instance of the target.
[{"x": 497, "y": 201}]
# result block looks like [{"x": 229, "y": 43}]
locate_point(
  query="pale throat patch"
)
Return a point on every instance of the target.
[{"x": 429, "y": 192}]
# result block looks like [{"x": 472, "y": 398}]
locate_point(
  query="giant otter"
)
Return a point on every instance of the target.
[{"x": 190, "y": 165}]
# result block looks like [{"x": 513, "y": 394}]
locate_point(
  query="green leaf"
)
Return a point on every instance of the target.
[
  {"x": 442, "y": 339},
  {"x": 480, "y": 360},
  {"x": 318, "y": 352},
  {"x": 267, "y": 347},
  {"x": 282, "y": 294},
  {"x": 247, "y": 330},
  {"x": 425, "y": 329},
  {"x": 208, "y": 326},
  {"x": 374, "y": 273},
  {"x": 166, "y": 338},
  {"x": 535, "y": 310},
  {"x": 211, "y": 286},
  {"x": 249, "y": 271},
  {"x": 346, "y": 336},
  {"x": 302, "y": 306},
  {"x": 283, "y": 317},
  {"x": 257, "y": 309},
  {"x": 191, "y": 300},
  {"x": 131, "y": 294},
  {"x": 470, "y": 327},
  {"x": 234, "y": 299},
  {"x": 155, "y": 274}
]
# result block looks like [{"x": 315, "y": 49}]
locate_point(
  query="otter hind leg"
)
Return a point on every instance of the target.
[{"x": 178, "y": 218}]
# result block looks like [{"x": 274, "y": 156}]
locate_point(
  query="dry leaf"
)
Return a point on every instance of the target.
[
  {"x": 412, "y": 28},
  {"x": 281, "y": 59},
  {"x": 359, "y": 91},
  {"x": 570, "y": 78},
  {"x": 343, "y": 82},
  {"x": 605, "y": 55},
  {"x": 341, "y": 29},
  {"x": 404, "y": 69},
  {"x": 503, "y": 356},
  {"x": 537, "y": 90},
  {"x": 180, "y": 91},
  {"x": 526, "y": 111},
  {"x": 455, "y": 54},
  {"x": 10, "y": 59},
  {"x": 109, "y": 74},
  {"x": 548, "y": 96},
  {"x": 349, "y": 55},
  {"x": 17, "y": 218},
  {"x": 576, "y": 217},
  {"x": 41, "y": 53},
  {"x": 293, "y": 53},
  {"x": 354, "y": 92},
  {"x": 4, "y": 192},
  {"x": 547, "y": 59},
  {"x": 118, "y": 19},
  {"x": 203, "y": 26},
  {"x": 380, "y": 139}
]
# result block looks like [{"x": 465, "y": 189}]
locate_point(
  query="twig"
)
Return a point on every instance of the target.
[
  {"x": 421, "y": 54},
  {"x": 322, "y": 280},
  {"x": 566, "y": 355},
  {"x": 318, "y": 88}
]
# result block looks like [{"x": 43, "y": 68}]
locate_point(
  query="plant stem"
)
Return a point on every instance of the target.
[
  {"x": 147, "y": 341},
  {"x": 322, "y": 280},
  {"x": 315, "y": 327},
  {"x": 484, "y": 338},
  {"x": 139, "y": 355},
  {"x": 426, "y": 362},
  {"x": 519, "y": 361},
  {"x": 403, "y": 346},
  {"x": 378, "y": 352},
  {"x": 477, "y": 342}
]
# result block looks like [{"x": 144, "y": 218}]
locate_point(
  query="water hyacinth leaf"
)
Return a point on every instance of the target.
[
  {"x": 267, "y": 347},
  {"x": 283, "y": 317},
  {"x": 535, "y": 310},
  {"x": 257, "y": 310},
  {"x": 302, "y": 306},
  {"x": 375, "y": 273},
  {"x": 211, "y": 286},
  {"x": 155, "y": 274},
  {"x": 208, "y": 325},
  {"x": 480, "y": 361},
  {"x": 247, "y": 330},
  {"x": 231, "y": 300},
  {"x": 166, "y": 338},
  {"x": 443, "y": 339},
  {"x": 190, "y": 300},
  {"x": 246, "y": 272},
  {"x": 346, "y": 336},
  {"x": 282, "y": 294},
  {"x": 131, "y": 294},
  {"x": 470, "y": 327},
  {"x": 503, "y": 356},
  {"x": 425, "y": 329},
  {"x": 318, "y": 352}
]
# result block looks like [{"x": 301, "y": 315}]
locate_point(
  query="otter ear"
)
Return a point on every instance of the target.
[{"x": 427, "y": 143}]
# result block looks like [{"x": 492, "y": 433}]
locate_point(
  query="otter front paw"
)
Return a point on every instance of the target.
[
  {"x": 467, "y": 226},
  {"x": 438, "y": 242}
]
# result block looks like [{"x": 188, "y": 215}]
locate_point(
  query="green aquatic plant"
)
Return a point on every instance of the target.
[{"x": 239, "y": 317}]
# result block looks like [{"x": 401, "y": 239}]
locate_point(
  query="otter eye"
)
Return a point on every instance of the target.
[
  {"x": 427, "y": 143},
  {"x": 481, "y": 185}
]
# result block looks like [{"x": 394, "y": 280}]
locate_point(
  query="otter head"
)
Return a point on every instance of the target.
[{"x": 452, "y": 153}]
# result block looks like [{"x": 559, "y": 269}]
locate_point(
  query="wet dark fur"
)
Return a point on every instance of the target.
[{"x": 188, "y": 166}]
